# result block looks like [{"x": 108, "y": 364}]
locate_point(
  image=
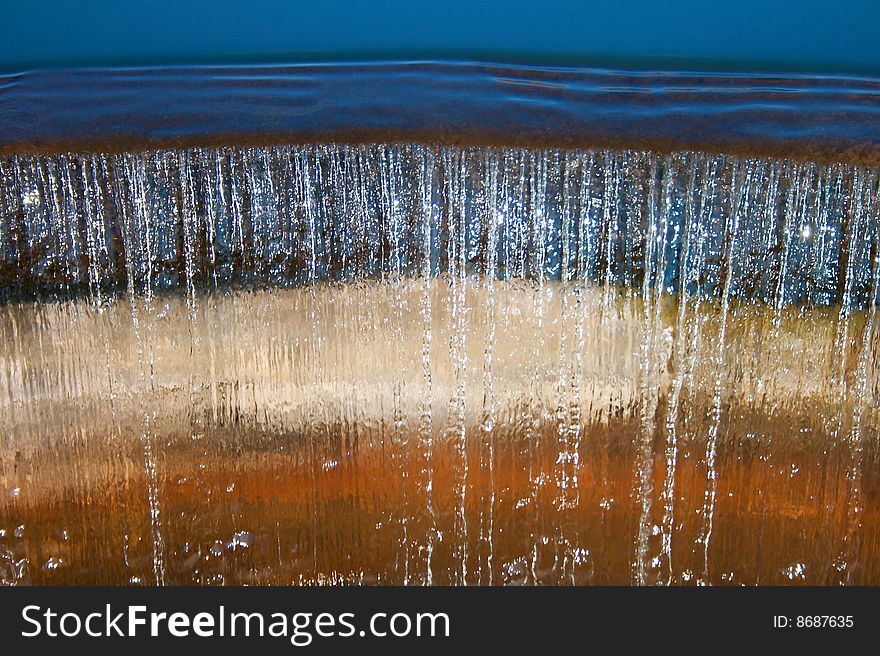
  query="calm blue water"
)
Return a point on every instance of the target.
[
  {"x": 833, "y": 118},
  {"x": 815, "y": 36},
  {"x": 773, "y": 78}
]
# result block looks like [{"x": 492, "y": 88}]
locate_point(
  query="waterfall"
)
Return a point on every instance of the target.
[{"x": 420, "y": 364}]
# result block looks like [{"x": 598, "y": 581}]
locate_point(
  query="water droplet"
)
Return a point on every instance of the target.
[
  {"x": 796, "y": 571},
  {"x": 53, "y": 563}
]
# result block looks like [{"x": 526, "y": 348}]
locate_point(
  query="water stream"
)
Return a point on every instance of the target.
[{"x": 401, "y": 363}]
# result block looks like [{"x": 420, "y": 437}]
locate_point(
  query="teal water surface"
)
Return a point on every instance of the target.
[{"x": 814, "y": 36}]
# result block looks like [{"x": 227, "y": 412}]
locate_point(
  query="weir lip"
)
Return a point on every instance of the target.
[{"x": 804, "y": 117}]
